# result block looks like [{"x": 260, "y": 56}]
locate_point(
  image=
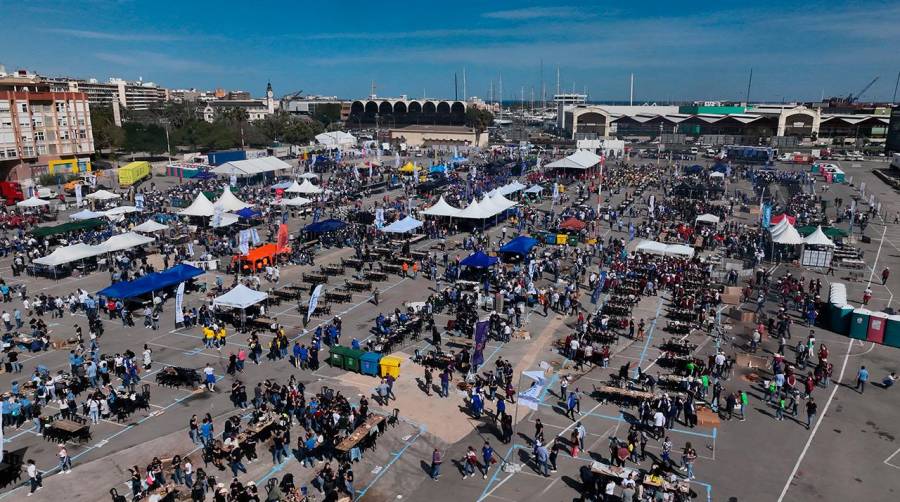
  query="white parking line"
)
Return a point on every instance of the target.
[{"x": 887, "y": 461}]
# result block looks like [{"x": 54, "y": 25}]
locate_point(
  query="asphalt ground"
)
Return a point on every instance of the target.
[{"x": 851, "y": 452}]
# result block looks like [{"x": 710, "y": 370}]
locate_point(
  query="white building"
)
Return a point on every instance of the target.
[{"x": 257, "y": 109}]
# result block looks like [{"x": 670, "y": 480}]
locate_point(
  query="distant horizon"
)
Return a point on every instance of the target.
[{"x": 676, "y": 50}]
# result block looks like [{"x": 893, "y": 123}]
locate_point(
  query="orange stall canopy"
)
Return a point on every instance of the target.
[{"x": 259, "y": 258}]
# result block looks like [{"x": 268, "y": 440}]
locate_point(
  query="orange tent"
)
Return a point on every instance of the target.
[{"x": 259, "y": 258}]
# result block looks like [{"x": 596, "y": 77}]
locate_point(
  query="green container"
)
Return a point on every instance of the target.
[
  {"x": 352, "y": 359},
  {"x": 892, "y": 331},
  {"x": 859, "y": 324},
  {"x": 338, "y": 356},
  {"x": 573, "y": 240},
  {"x": 839, "y": 317}
]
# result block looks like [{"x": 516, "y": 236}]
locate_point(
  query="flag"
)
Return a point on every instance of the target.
[
  {"x": 255, "y": 236},
  {"x": 766, "y": 215},
  {"x": 190, "y": 248},
  {"x": 339, "y": 156},
  {"x": 652, "y": 204},
  {"x": 370, "y": 169},
  {"x": 78, "y": 195},
  {"x": 631, "y": 231},
  {"x": 139, "y": 201},
  {"x": 179, "y": 304},
  {"x": 282, "y": 238},
  {"x": 279, "y": 194},
  {"x": 313, "y": 301},
  {"x": 379, "y": 218},
  {"x": 397, "y": 160},
  {"x": 284, "y": 216},
  {"x": 530, "y": 398},
  {"x": 232, "y": 180},
  {"x": 355, "y": 171},
  {"x": 217, "y": 216},
  {"x": 315, "y": 157},
  {"x": 244, "y": 238},
  {"x": 481, "y": 329}
]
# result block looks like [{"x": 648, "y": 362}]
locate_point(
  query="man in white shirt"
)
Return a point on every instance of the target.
[{"x": 34, "y": 477}]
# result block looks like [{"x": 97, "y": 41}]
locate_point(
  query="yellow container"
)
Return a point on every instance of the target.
[
  {"x": 562, "y": 239},
  {"x": 390, "y": 365},
  {"x": 130, "y": 174}
]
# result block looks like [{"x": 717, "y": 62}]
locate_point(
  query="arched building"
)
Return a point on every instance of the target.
[{"x": 401, "y": 111}]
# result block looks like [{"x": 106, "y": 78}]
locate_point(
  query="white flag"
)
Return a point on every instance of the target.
[
  {"x": 191, "y": 248},
  {"x": 179, "y": 304},
  {"x": 217, "y": 217},
  {"x": 313, "y": 301},
  {"x": 78, "y": 195},
  {"x": 255, "y": 236},
  {"x": 244, "y": 245}
]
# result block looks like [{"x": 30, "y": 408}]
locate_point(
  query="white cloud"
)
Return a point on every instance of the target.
[
  {"x": 527, "y": 13},
  {"x": 157, "y": 61},
  {"x": 120, "y": 37}
]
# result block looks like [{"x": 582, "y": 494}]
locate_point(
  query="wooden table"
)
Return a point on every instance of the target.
[
  {"x": 352, "y": 262},
  {"x": 375, "y": 276},
  {"x": 332, "y": 269},
  {"x": 613, "y": 471},
  {"x": 394, "y": 269},
  {"x": 264, "y": 322},
  {"x": 349, "y": 442},
  {"x": 338, "y": 296},
  {"x": 628, "y": 393},
  {"x": 359, "y": 285},
  {"x": 403, "y": 259},
  {"x": 419, "y": 255},
  {"x": 68, "y": 429},
  {"x": 315, "y": 278}
]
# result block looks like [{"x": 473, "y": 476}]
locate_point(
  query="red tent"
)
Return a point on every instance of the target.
[
  {"x": 573, "y": 224},
  {"x": 776, "y": 219}
]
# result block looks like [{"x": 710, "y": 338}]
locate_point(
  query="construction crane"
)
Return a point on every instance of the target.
[
  {"x": 291, "y": 95},
  {"x": 852, "y": 99}
]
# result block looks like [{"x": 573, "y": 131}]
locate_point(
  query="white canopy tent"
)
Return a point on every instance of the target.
[
  {"x": 294, "y": 202},
  {"x": 534, "y": 189},
  {"x": 251, "y": 167},
  {"x": 85, "y": 214},
  {"x": 581, "y": 159},
  {"x": 787, "y": 235},
  {"x": 502, "y": 202},
  {"x": 308, "y": 188},
  {"x": 336, "y": 139},
  {"x": 818, "y": 238},
  {"x": 507, "y": 189},
  {"x": 226, "y": 220},
  {"x": 654, "y": 247},
  {"x": 308, "y": 176},
  {"x": 102, "y": 195},
  {"x": 240, "y": 297},
  {"x": 121, "y": 242},
  {"x": 441, "y": 208},
  {"x": 68, "y": 254},
  {"x": 407, "y": 224},
  {"x": 200, "y": 207},
  {"x": 149, "y": 227},
  {"x": 708, "y": 218},
  {"x": 229, "y": 202},
  {"x": 118, "y": 211},
  {"x": 294, "y": 188},
  {"x": 818, "y": 250},
  {"x": 474, "y": 211},
  {"x": 33, "y": 202}
]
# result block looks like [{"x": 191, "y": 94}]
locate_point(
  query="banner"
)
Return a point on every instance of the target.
[
  {"x": 766, "y": 215},
  {"x": 370, "y": 169},
  {"x": 190, "y": 248},
  {"x": 379, "y": 218},
  {"x": 279, "y": 194},
  {"x": 232, "y": 180},
  {"x": 530, "y": 398},
  {"x": 313, "y": 301},
  {"x": 217, "y": 217},
  {"x": 282, "y": 237},
  {"x": 481, "y": 332},
  {"x": 139, "y": 201},
  {"x": 652, "y": 204},
  {"x": 255, "y": 236},
  {"x": 78, "y": 195},
  {"x": 244, "y": 245},
  {"x": 179, "y": 304}
]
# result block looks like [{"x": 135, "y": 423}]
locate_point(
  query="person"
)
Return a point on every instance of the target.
[
  {"x": 582, "y": 432},
  {"x": 889, "y": 380},
  {"x": 543, "y": 458},
  {"x": 470, "y": 462},
  {"x": 554, "y": 453},
  {"x": 487, "y": 456},
  {"x": 811, "y": 408},
  {"x": 861, "y": 378},
  {"x": 210, "y": 377},
  {"x": 884, "y": 275},
  {"x": 867, "y": 295},
  {"x": 688, "y": 458},
  {"x": 35, "y": 480},
  {"x": 436, "y": 464},
  {"x": 65, "y": 462}
]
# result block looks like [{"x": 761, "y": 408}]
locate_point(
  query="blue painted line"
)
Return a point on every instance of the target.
[
  {"x": 10, "y": 438},
  {"x": 274, "y": 470},
  {"x": 396, "y": 457},
  {"x": 622, "y": 419},
  {"x": 650, "y": 333},
  {"x": 497, "y": 471}
]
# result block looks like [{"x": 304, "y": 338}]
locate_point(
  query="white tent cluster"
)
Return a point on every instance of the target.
[
  {"x": 489, "y": 206},
  {"x": 87, "y": 214},
  {"x": 227, "y": 202},
  {"x": 80, "y": 251},
  {"x": 336, "y": 139},
  {"x": 785, "y": 233},
  {"x": 654, "y": 247}
]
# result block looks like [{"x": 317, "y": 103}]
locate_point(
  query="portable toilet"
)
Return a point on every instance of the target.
[
  {"x": 877, "y": 325},
  {"x": 390, "y": 365},
  {"x": 892, "y": 331},
  {"x": 368, "y": 363},
  {"x": 859, "y": 323},
  {"x": 839, "y": 318}
]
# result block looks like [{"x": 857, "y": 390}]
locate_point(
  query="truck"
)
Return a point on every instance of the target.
[
  {"x": 133, "y": 173},
  {"x": 11, "y": 191},
  {"x": 219, "y": 158}
]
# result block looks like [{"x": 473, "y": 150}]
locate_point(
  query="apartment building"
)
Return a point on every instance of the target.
[{"x": 136, "y": 96}]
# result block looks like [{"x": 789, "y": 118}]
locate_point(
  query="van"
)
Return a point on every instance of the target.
[{"x": 694, "y": 150}]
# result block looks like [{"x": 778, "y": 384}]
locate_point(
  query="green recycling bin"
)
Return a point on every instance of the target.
[
  {"x": 352, "y": 359},
  {"x": 338, "y": 356}
]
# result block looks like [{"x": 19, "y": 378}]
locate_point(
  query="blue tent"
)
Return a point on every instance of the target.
[
  {"x": 520, "y": 245},
  {"x": 479, "y": 260},
  {"x": 151, "y": 282},
  {"x": 204, "y": 175},
  {"x": 440, "y": 168},
  {"x": 325, "y": 226},
  {"x": 694, "y": 169},
  {"x": 248, "y": 212},
  {"x": 720, "y": 168},
  {"x": 458, "y": 159}
]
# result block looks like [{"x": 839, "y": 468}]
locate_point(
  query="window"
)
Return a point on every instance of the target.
[
  {"x": 42, "y": 150},
  {"x": 82, "y": 134},
  {"x": 23, "y": 107},
  {"x": 39, "y": 136},
  {"x": 28, "y": 150},
  {"x": 63, "y": 122},
  {"x": 11, "y": 153},
  {"x": 60, "y": 107}
]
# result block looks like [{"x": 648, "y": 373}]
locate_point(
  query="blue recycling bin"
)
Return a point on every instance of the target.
[{"x": 368, "y": 363}]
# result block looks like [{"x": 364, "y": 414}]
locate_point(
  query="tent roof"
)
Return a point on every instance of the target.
[
  {"x": 306, "y": 187},
  {"x": 308, "y": 176},
  {"x": 85, "y": 214},
  {"x": 474, "y": 211},
  {"x": 654, "y": 247},
  {"x": 102, "y": 195},
  {"x": 251, "y": 167},
  {"x": 573, "y": 224},
  {"x": 150, "y": 226},
  {"x": 534, "y": 189},
  {"x": 32, "y": 202},
  {"x": 240, "y": 297},
  {"x": 479, "y": 260},
  {"x": 116, "y": 211},
  {"x": 227, "y": 219},
  {"x": 66, "y": 227},
  {"x": 200, "y": 207},
  {"x": 325, "y": 226},
  {"x": 230, "y": 202},
  {"x": 409, "y": 167},
  {"x": 507, "y": 189},
  {"x": 502, "y": 202},
  {"x": 248, "y": 212},
  {"x": 581, "y": 159},
  {"x": 818, "y": 238},
  {"x": 294, "y": 201},
  {"x": 151, "y": 282},
  {"x": 708, "y": 218},
  {"x": 68, "y": 254},
  {"x": 441, "y": 208},
  {"x": 402, "y": 226},
  {"x": 124, "y": 241},
  {"x": 520, "y": 245},
  {"x": 293, "y": 187},
  {"x": 787, "y": 234},
  {"x": 335, "y": 138}
]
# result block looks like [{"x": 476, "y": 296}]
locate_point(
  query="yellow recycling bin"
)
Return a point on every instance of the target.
[
  {"x": 562, "y": 239},
  {"x": 390, "y": 365}
]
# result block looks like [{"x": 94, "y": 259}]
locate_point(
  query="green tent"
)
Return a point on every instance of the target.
[
  {"x": 71, "y": 226},
  {"x": 830, "y": 232}
]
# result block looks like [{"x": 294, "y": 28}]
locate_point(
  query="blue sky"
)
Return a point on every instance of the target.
[{"x": 677, "y": 50}]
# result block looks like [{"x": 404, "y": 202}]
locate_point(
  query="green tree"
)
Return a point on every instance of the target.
[
  {"x": 479, "y": 119},
  {"x": 107, "y": 135}
]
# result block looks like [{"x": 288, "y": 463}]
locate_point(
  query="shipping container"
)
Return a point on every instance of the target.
[
  {"x": 219, "y": 158},
  {"x": 133, "y": 173}
]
